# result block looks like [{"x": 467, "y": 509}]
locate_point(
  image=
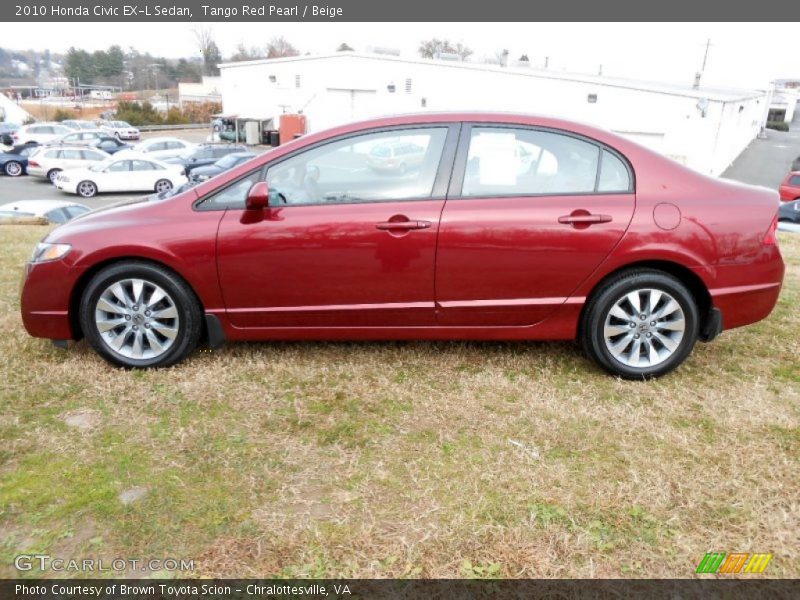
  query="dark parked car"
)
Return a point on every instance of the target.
[
  {"x": 6, "y": 131},
  {"x": 790, "y": 212},
  {"x": 15, "y": 162},
  {"x": 222, "y": 165},
  {"x": 204, "y": 154},
  {"x": 586, "y": 235},
  {"x": 109, "y": 144}
]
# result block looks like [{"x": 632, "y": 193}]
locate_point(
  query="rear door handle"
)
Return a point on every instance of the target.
[
  {"x": 402, "y": 225},
  {"x": 584, "y": 219}
]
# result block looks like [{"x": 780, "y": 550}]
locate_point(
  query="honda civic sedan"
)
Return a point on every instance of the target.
[{"x": 509, "y": 228}]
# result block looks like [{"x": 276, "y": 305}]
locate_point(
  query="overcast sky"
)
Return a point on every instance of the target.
[{"x": 746, "y": 55}]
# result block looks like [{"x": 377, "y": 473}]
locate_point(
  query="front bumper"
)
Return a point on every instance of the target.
[{"x": 45, "y": 299}]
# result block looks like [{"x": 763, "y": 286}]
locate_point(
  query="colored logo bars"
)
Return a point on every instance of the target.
[{"x": 740, "y": 562}]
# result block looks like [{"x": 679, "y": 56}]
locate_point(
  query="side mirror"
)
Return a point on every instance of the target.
[{"x": 258, "y": 196}]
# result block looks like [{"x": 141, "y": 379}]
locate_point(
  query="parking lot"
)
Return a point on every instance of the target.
[{"x": 36, "y": 188}]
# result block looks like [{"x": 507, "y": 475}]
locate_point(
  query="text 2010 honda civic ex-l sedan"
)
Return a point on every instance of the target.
[{"x": 506, "y": 228}]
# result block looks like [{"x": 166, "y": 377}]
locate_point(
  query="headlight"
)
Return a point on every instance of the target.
[
  {"x": 201, "y": 177},
  {"x": 44, "y": 252}
]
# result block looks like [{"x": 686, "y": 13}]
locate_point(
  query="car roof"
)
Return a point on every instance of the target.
[
  {"x": 163, "y": 139},
  {"x": 38, "y": 207},
  {"x": 89, "y": 131},
  {"x": 45, "y": 123},
  {"x": 72, "y": 147}
]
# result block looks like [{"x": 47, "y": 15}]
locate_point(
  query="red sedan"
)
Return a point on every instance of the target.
[
  {"x": 790, "y": 188},
  {"x": 508, "y": 228}
]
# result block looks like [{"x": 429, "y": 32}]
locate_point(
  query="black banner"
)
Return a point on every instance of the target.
[
  {"x": 407, "y": 10},
  {"x": 357, "y": 589}
]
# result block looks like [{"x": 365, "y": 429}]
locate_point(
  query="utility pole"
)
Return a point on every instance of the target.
[
  {"x": 701, "y": 72},
  {"x": 705, "y": 56}
]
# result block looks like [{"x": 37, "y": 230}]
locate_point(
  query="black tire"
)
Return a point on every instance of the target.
[
  {"x": 86, "y": 189},
  {"x": 613, "y": 291},
  {"x": 52, "y": 174},
  {"x": 165, "y": 183},
  {"x": 189, "y": 322},
  {"x": 13, "y": 168}
]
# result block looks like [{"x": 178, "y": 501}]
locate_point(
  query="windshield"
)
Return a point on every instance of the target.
[
  {"x": 226, "y": 162},
  {"x": 120, "y": 124}
]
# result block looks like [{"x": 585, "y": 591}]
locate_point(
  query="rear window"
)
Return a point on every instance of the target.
[{"x": 794, "y": 180}]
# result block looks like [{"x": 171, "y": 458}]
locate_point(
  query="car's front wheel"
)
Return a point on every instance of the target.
[
  {"x": 87, "y": 189},
  {"x": 641, "y": 324},
  {"x": 136, "y": 314},
  {"x": 163, "y": 185}
]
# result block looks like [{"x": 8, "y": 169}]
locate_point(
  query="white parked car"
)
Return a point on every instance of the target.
[
  {"x": 55, "y": 211},
  {"x": 81, "y": 137},
  {"x": 121, "y": 174},
  {"x": 50, "y": 161},
  {"x": 121, "y": 130},
  {"x": 40, "y": 133},
  {"x": 79, "y": 124},
  {"x": 162, "y": 147}
]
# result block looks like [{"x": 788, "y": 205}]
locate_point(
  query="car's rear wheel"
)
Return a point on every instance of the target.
[
  {"x": 13, "y": 168},
  {"x": 137, "y": 314},
  {"x": 52, "y": 174},
  {"x": 163, "y": 185},
  {"x": 87, "y": 189},
  {"x": 641, "y": 324}
]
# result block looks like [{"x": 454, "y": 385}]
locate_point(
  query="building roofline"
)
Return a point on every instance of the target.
[{"x": 670, "y": 89}]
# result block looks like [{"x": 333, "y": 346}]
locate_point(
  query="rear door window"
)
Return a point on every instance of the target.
[{"x": 517, "y": 162}]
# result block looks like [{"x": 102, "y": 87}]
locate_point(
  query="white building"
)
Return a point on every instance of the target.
[
  {"x": 703, "y": 128},
  {"x": 784, "y": 99},
  {"x": 208, "y": 90}
]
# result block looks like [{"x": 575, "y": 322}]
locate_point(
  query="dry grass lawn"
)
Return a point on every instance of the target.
[{"x": 402, "y": 459}]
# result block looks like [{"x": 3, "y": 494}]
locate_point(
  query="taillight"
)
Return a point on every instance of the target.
[
  {"x": 771, "y": 237},
  {"x": 32, "y": 163}
]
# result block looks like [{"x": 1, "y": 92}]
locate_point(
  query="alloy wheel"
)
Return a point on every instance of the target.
[
  {"x": 137, "y": 319},
  {"x": 644, "y": 327}
]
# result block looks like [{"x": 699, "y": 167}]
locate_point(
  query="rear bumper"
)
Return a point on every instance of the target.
[
  {"x": 36, "y": 171},
  {"x": 748, "y": 304}
]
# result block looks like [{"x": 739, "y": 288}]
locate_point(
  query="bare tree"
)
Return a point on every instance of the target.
[
  {"x": 279, "y": 47},
  {"x": 209, "y": 50},
  {"x": 248, "y": 53},
  {"x": 433, "y": 47},
  {"x": 344, "y": 47}
]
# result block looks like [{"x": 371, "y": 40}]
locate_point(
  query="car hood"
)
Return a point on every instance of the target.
[{"x": 120, "y": 214}]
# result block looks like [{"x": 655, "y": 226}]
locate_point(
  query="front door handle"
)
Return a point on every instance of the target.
[{"x": 402, "y": 225}]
